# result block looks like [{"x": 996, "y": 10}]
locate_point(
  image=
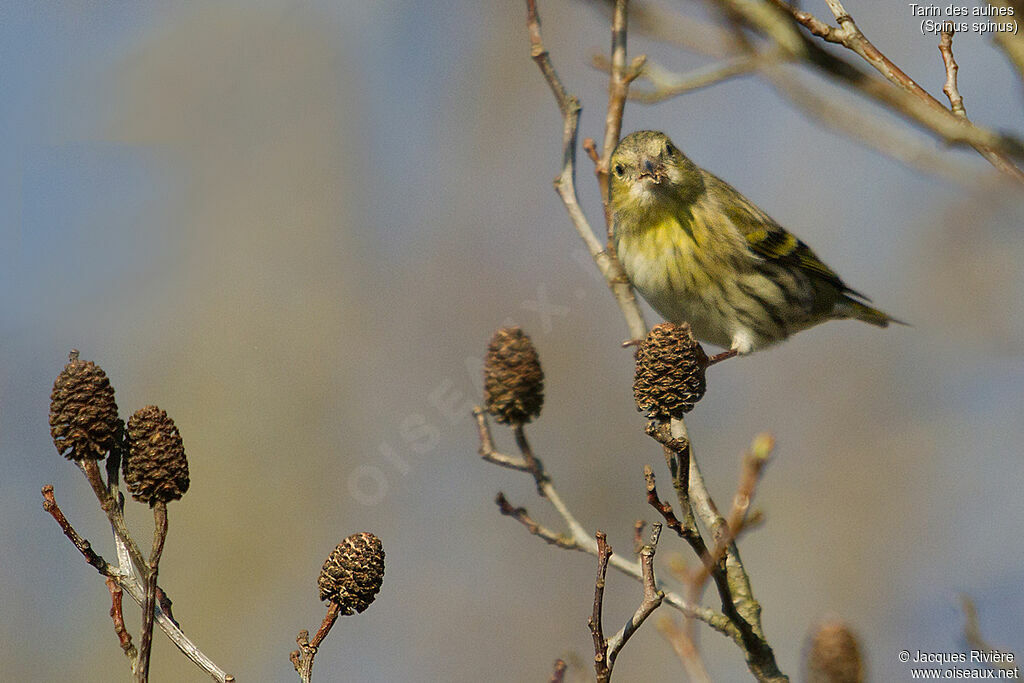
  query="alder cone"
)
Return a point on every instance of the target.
[
  {"x": 353, "y": 573},
  {"x": 670, "y": 367},
  {"x": 513, "y": 379},
  {"x": 83, "y": 414},
  {"x": 155, "y": 467}
]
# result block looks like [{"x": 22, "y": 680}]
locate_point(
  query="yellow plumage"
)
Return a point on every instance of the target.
[{"x": 699, "y": 251}]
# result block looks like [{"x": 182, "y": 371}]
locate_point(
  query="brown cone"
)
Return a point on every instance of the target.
[
  {"x": 352, "y": 574},
  {"x": 670, "y": 369},
  {"x": 83, "y": 413},
  {"x": 833, "y": 655},
  {"x": 155, "y": 467},
  {"x": 513, "y": 379}
]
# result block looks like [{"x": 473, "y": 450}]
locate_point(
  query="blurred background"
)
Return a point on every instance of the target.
[{"x": 295, "y": 225}]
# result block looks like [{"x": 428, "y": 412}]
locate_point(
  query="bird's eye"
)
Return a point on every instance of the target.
[
  {"x": 619, "y": 170},
  {"x": 669, "y": 149}
]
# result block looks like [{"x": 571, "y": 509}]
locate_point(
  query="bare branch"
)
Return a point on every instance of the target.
[
  {"x": 912, "y": 100},
  {"x": 302, "y": 659},
  {"x": 956, "y": 102},
  {"x": 117, "y": 615},
  {"x": 747, "y": 614},
  {"x": 523, "y": 517},
  {"x": 749, "y": 636},
  {"x": 850, "y": 116},
  {"x": 558, "y": 675},
  {"x": 110, "y": 505},
  {"x": 830, "y": 110},
  {"x": 149, "y": 605},
  {"x": 579, "y": 539},
  {"x": 83, "y": 545},
  {"x": 668, "y": 85},
  {"x": 664, "y": 509},
  {"x": 601, "y": 665},
  {"x": 651, "y": 601},
  {"x": 487, "y": 450},
  {"x": 565, "y": 183},
  {"x": 618, "y": 89},
  {"x": 754, "y": 463},
  {"x": 129, "y": 584}
]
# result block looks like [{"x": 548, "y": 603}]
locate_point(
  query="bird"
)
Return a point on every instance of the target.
[{"x": 700, "y": 252}]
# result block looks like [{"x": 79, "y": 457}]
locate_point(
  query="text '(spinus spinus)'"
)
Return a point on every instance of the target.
[{"x": 700, "y": 252}]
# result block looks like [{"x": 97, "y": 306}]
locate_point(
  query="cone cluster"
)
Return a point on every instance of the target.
[
  {"x": 833, "y": 655},
  {"x": 83, "y": 413},
  {"x": 155, "y": 468},
  {"x": 513, "y": 379},
  {"x": 670, "y": 367},
  {"x": 353, "y": 573}
]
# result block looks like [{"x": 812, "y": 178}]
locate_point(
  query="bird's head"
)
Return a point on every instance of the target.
[{"x": 646, "y": 168}]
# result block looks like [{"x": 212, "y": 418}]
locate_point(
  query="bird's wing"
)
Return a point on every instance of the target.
[{"x": 771, "y": 241}]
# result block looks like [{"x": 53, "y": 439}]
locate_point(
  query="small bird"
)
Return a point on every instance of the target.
[{"x": 700, "y": 252}]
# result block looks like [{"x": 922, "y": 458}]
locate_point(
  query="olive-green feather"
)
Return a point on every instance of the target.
[{"x": 771, "y": 241}]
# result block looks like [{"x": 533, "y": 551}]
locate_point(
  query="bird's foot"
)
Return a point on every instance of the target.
[
  {"x": 635, "y": 343},
  {"x": 724, "y": 355}
]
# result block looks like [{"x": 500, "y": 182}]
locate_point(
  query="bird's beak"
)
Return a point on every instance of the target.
[{"x": 653, "y": 171}]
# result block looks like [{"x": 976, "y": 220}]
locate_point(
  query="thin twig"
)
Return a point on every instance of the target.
[
  {"x": 523, "y": 517},
  {"x": 618, "y": 90},
  {"x": 917, "y": 103},
  {"x": 754, "y": 463},
  {"x": 747, "y": 614},
  {"x": 663, "y": 508},
  {"x": 956, "y": 101},
  {"x": 110, "y": 504},
  {"x": 84, "y": 547},
  {"x": 849, "y": 35},
  {"x": 533, "y": 465},
  {"x": 117, "y": 615},
  {"x": 558, "y": 674},
  {"x": 586, "y": 544},
  {"x": 487, "y": 450},
  {"x": 667, "y": 84},
  {"x": 149, "y": 605},
  {"x": 565, "y": 183},
  {"x": 652, "y": 599},
  {"x": 601, "y": 666},
  {"x": 135, "y": 590},
  {"x": 302, "y": 659},
  {"x": 578, "y": 538},
  {"x": 687, "y": 529},
  {"x": 848, "y": 116}
]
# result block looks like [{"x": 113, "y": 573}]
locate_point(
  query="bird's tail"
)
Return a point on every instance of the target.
[{"x": 851, "y": 308}]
